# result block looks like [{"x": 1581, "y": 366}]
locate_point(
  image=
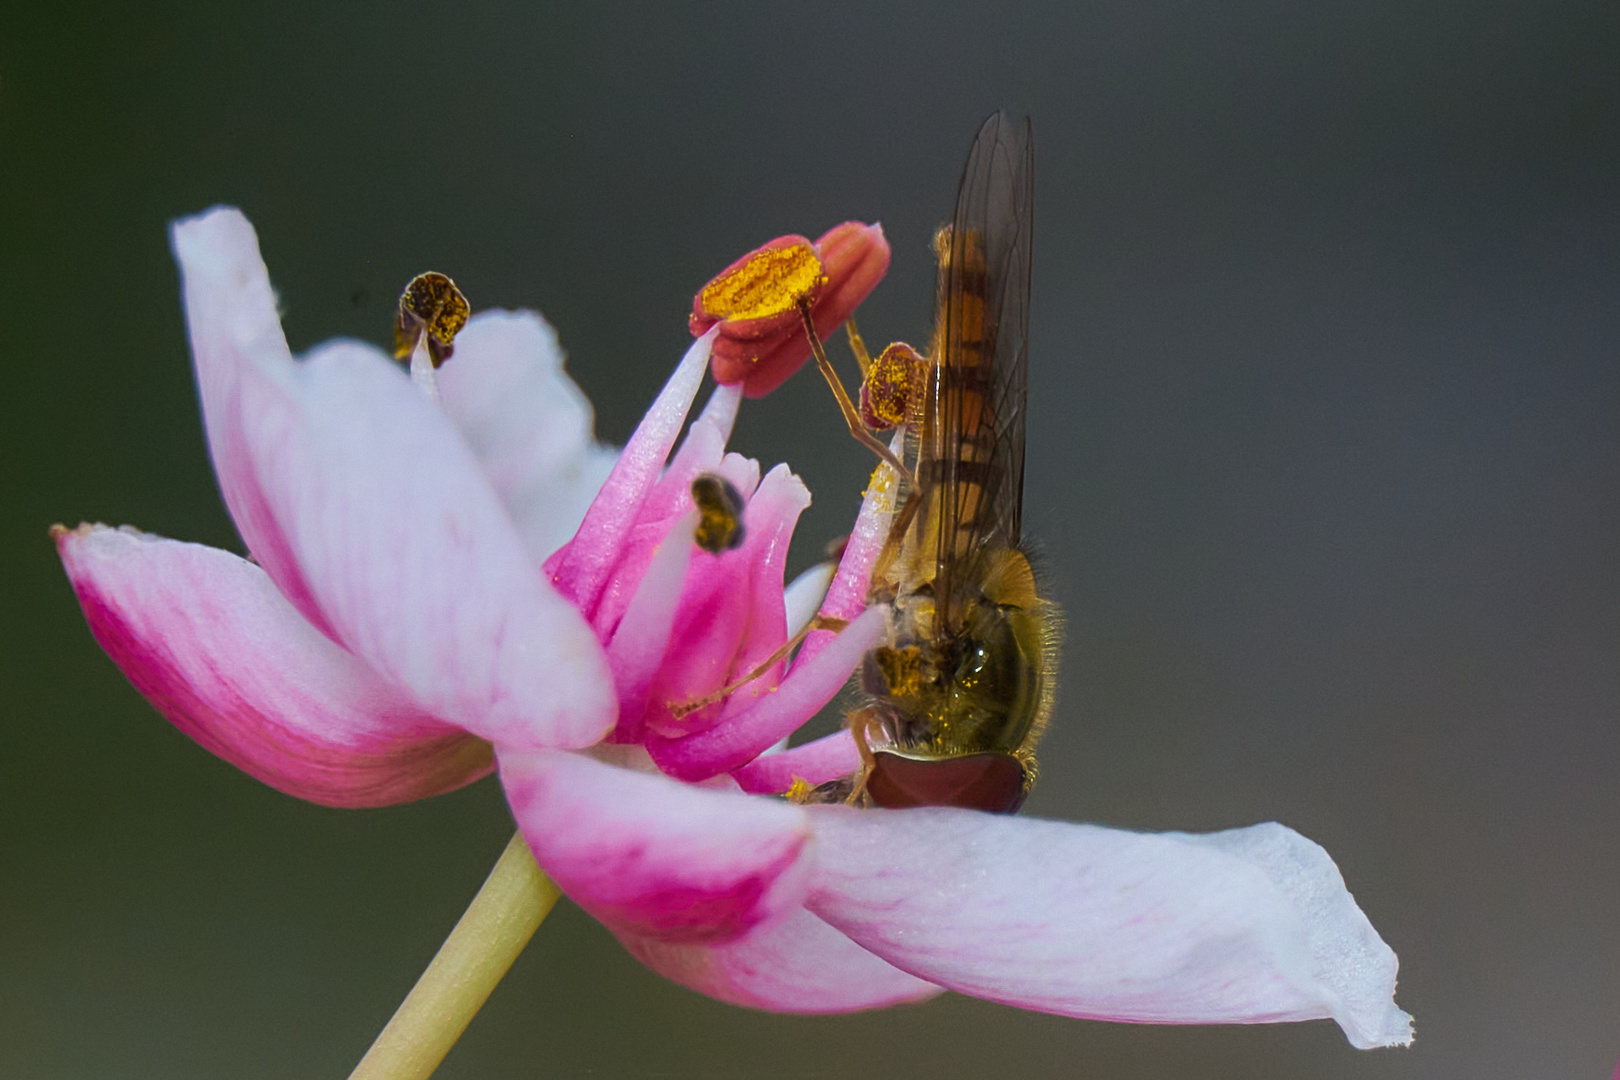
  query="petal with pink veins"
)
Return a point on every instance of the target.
[
  {"x": 381, "y": 525},
  {"x": 527, "y": 423},
  {"x": 731, "y": 616},
  {"x": 642, "y": 638},
  {"x": 667, "y": 500},
  {"x": 652, "y": 857},
  {"x": 799, "y": 965},
  {"x": 1246, "y": 926},
  {"x": 845, "y": 597},
  {"x": 582, "y": 568},
  {"x": 216, "y": 648}
]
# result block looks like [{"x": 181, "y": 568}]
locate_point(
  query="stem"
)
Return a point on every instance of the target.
[{"x": 499, "y": 922}]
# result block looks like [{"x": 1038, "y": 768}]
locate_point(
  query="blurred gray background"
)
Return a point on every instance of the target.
[{"x": 1323, "y": 457}]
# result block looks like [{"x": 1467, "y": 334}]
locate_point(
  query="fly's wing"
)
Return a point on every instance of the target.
[{"x": 971, "y": 449}]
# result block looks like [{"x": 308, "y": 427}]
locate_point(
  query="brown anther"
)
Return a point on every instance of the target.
[
  {"x": 720, "y": 508},
  {"x": 432, "y": 305}
]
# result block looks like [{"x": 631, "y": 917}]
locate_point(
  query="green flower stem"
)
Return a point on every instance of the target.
[{"x": 496, "y": 926}]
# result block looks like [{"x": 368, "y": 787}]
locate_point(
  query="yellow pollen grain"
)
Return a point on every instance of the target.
[
  {"x": 884, "y": 485},
  {"x": 769, "y": 283},
  {"x": 800, "y": 791}
]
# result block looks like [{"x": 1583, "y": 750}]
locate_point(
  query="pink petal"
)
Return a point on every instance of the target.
[
  {"x": 655, "y": 858},
  {"x": 731, "y": 616},
  {"x": 1246, "y": 926},
  {"x": 701, "y": 451},
  {"x": 827, "y": 758},
  {"x": 208, "y": 639},
  {"x": 737, "y": 740},
  {"x": 666, "y": 501},
  {"x": 581, "y": 569},
  {"x": 638, "y": 646},
  {"x": 382, "y": 528},
  {"x": 527, "y": 423},
  {"x": 846, "y": 596},
  {"x": 800, "y": 965}
]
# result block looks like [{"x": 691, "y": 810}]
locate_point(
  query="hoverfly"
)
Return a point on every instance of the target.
[{"x": 958, "y": 695}]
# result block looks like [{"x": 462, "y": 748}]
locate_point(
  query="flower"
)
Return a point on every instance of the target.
[
  {"x": 419, "y": 594},
  {"x": 755, "y": 301}
]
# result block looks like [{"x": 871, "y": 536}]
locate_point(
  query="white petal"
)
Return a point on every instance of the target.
[
  {"x": 527, "y": 423},
  {"x": 1247, "y": 926},
  {"x": 373, "y": 518},
  {"x": 799, "y": 965},
  {"x": 804, "y": 594}
]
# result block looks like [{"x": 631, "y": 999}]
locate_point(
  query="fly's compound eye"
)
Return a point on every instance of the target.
[{"x": 720, "y": 508}]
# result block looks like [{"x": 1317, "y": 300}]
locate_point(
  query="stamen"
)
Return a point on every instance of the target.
[
  {"x": 720, "y": 508},
  {"x": 431, "y": 313}
]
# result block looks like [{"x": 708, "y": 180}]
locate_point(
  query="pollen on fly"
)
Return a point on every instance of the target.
[{"x": 720, "y": 507}]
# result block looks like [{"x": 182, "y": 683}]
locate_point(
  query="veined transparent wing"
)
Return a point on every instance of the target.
[{"x": 970, "y": 456}]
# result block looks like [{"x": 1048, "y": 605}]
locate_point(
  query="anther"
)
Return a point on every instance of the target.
[
  {"x": 431, "y": 313},
  {"x": 893, "y": 387},
  {"x": 431, "y": 308},
  {"x": 763, "y": 286},
  {"x": 756, "y": 301},
  {"x": 720, "y": 508}
]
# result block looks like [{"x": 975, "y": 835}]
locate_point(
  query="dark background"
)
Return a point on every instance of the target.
[{"x": 1323, "y": 454}]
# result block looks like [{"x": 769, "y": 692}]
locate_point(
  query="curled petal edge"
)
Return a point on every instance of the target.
[{"x": 1245, "y": 926}]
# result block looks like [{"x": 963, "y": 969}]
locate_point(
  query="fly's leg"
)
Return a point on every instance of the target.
[
  {"x": 858, "y": 347},
  {"x": 862, "y": 726},
  {"x": 852, "y": 415},
  {"x": 820, "y": 622}
]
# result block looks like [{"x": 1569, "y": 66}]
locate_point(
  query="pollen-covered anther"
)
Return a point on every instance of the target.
[
  {"x": 763, "y": 288},
  {"x": 892, "y": 392},
  {"x": 431, "y": 306},
  {"x": 758, "y": 301},
  {"x": 720, "y": 509}
]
